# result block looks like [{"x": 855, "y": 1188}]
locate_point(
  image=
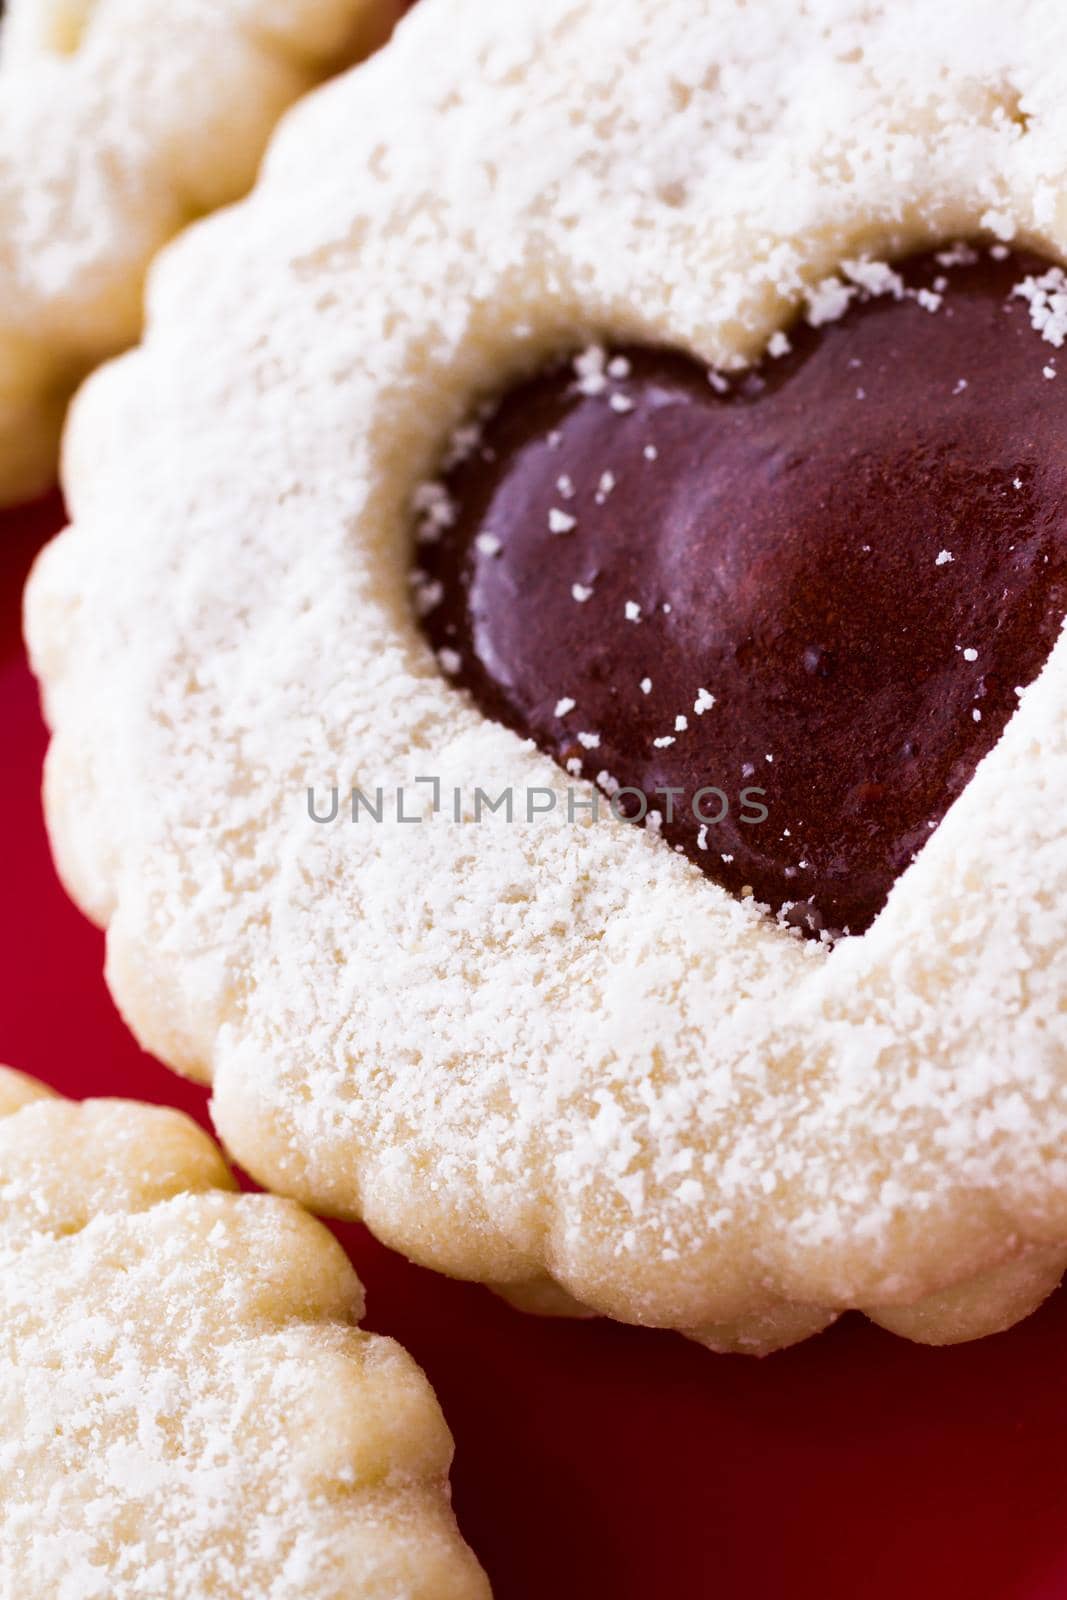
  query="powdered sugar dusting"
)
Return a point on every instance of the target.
[{"x": 1046, "y": 296}]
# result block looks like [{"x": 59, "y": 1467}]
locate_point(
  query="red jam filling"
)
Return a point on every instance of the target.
[{"x": 792, "y": 608}]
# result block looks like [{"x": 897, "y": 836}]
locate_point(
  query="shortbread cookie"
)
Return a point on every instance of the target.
[
  {"x": 188, "y": 1409},
  {"x": 120, "y": 121},
  {"x": 547, "y": 1051}
]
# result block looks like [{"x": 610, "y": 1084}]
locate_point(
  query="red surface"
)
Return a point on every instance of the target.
[{"x": 595, "y": 1460}]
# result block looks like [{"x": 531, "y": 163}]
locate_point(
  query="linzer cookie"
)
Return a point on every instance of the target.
[
  {"x": 188, "y": 1407},
  {"x": 120, "y": 122},
  {"x": 577, "y": 755}
]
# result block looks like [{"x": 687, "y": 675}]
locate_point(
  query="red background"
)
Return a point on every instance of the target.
[{"x": 600, "y": 1460}]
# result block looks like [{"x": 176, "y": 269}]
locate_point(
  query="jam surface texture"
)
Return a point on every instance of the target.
[{"x": 790, "y": 607}]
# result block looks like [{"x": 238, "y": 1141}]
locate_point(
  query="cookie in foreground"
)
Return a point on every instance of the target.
[
  {"x": 121, "y": 121},
  {"x": 546, "y": 1050},
  {"x": 188, "y": 1407}
]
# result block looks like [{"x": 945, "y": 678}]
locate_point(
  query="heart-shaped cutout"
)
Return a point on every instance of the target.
[{"x": 792, "y": 608}]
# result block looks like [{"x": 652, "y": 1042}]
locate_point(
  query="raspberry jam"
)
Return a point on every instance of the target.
[{"x": 815, "y": 586}]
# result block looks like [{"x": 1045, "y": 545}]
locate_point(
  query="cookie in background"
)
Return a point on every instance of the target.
[
  {"x": 187, "y": 1405},
  {"x": 120, "y": 122}
]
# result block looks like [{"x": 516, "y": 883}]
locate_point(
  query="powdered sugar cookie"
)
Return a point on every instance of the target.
[
  {"x": 120, "y": 121},
  {"x": 757, "y": 487},
  {"x": 188, "y": 1407}
]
